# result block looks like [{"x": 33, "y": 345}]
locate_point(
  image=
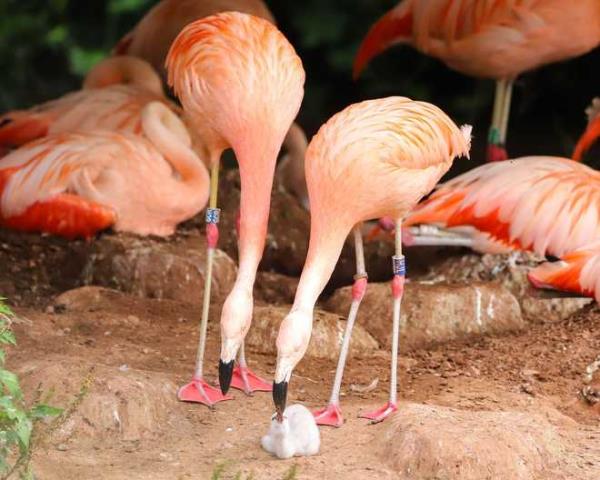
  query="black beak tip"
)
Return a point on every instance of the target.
[
  {"x": 280, "y": 396},
  {"x": 225, "y": 375}
]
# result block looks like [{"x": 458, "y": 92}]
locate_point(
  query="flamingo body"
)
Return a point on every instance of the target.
[
  {"x": 114, "y": 95},
  {"x": 74, "y": 184},
  {"x": 549, "y": 205},
  {"x": 488, "y": 38},
  {"x": 152, "y": 37}
]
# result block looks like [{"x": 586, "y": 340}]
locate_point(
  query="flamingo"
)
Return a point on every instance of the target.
[
  {"x": 577, "y": 272},
  {"x": 498, "y": 39},
  {"x": 113, "y": 95},
  {"x": 241, "y": 85},
  {"x": 152, "y": 37},
  {"x": 592, "y": 131},
  {"x": 76, "y": 184},
  {"x": 548, "y": 205},
  {"x": 374, "y": 158}
]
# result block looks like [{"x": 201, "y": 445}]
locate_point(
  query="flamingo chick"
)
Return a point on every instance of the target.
[
  {"x": 548, "y": 205},
  {"x": 113, "y": 95},
  {"x": 489, "y": 39},
  {"x": 376, "y": 158},
  {"x": 75, "y": 184},
  {"x": 241, "y": 85}
]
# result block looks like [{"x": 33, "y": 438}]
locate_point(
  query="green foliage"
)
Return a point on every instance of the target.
[{"x": 17, "y": 420}]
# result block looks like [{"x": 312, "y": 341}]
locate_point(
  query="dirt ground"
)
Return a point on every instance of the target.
[{"x": 135, "y": 352}]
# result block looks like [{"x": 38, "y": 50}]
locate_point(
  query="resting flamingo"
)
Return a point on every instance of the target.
[
  {"x": 548, "y": 205},
  {"x": 373, "y": 159},
  {"x": 113, "y": 95},
  {"x": 576, "y": 272},
  {"x": 153, "y": 35},
  {"x": 241, "y": 85},
  {"x": 75, "y": 184},
  {"x": 498, "y": 39}
]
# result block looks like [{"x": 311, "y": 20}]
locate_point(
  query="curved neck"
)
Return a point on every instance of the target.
[
  {"x": 325, "y": 247},
  {"x": 166, "y": 132},
  {"x": 257, "y": 166},
  {"x": 124, "y": 70}
]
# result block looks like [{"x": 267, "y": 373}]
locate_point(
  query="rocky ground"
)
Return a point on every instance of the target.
[{"x": 493, "y": 380}]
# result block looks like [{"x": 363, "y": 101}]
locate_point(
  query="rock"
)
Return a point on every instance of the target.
[
  {"x": 275, "y": 288},
  {"x": 325, "y": 341},
  {"x": 129, "y": 405},
  {"x": 433, "y": 313},
  {"x": 154, "y": 268},
  {"x": 427, "y": 441},
  {"x": 510, "y": 270}
]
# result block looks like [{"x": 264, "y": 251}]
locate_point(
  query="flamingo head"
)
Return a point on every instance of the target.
[
  {"x": 292, "y": 342},
  {"x": 592, "y": 132},
  {"x": 235, "y": 323},
  {"x": 394, "y": 27}
]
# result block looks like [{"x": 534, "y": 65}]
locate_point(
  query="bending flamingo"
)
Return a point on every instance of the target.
[
  {"x": 373, "y": 159},
  {"x": 114, "y": 93},
  {"x": 152, "y": 37},
  {"x": 75, "y": 184},
  {"x": 592, "y": 131},
  {"x": 549, "y": 205},
  {"x": 241, "y": 85},
  {"x": 498, "y": 39}
]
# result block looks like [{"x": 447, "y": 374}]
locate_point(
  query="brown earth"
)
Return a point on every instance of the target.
[{"x": 498, "y": 405}]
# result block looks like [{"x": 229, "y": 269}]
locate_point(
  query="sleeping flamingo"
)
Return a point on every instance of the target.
[
  {"x": 549, "y": 205},
  {"x": 75, "y": 184},
  {"x": 241, "y": 85},
  {"x": 490, "y": 39},
  {"x": 114, "y": 93},
  {"x": 152, "y": 37},
  {"x": 373, "y": 159}
]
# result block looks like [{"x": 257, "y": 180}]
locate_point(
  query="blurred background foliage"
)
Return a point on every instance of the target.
[{"x": 46, "y": 46}]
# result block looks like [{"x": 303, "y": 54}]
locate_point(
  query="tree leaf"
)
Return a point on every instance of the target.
[
  {"x": 43, "y": 411},
  {"x": 11, "y": 383}
]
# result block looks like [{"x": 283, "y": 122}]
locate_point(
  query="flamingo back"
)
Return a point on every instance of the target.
[
  {"x": 379, "y": 157},
  {"x": 546, "y": 204},
  {"x": 233, "y": 70}
]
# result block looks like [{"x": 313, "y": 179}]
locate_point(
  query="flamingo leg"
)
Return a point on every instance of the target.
[
  {"x": 244, "y": 379},
  {"x": 332, "y": 415},
  {"x": 505, "y": 115},
  {"x": 198, "y": 390},
  {"x": 496, "y": 151},
  {"x": 382, "y": 413}
]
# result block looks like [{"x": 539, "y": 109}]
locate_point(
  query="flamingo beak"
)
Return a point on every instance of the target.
[
  {"x": 588, "y": 138},
  {"x": 280, "y": 397},
  {"x": 225, "y": 375},
  {"x": 390, "y": 29}
]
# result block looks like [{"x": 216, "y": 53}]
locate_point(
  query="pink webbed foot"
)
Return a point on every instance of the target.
[
  {"x": 198, "y": 391},
  {"x": 247, "y": 381},
  {"x": 330, "y": 416},
  {"x": 381, "y": 414}
]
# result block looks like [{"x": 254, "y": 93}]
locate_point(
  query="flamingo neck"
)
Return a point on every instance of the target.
[
  {"x": 124, "y": 70},
  {"x": 170, "y": 137},
  {"x": 324, "y": 251}
]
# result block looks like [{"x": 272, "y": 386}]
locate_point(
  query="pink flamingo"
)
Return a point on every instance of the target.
[
  {"x": 153, "y": 35},
  {"x": 75, "y": 184},
  {"x": 373, "y": 159},
  {"x": 241, "y": 85},
  {"x": 545, "y": 204},
  {"x": 491, "y": 39},
  {"x": 577, "y": 272},
  {"x": 113, "y": 95}
]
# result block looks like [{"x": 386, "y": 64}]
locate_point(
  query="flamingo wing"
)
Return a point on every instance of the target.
[
  {"x": 545, "y": 204},
  {"x": 577, "y": 272},
  {"x": 40, "y": 183}
]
